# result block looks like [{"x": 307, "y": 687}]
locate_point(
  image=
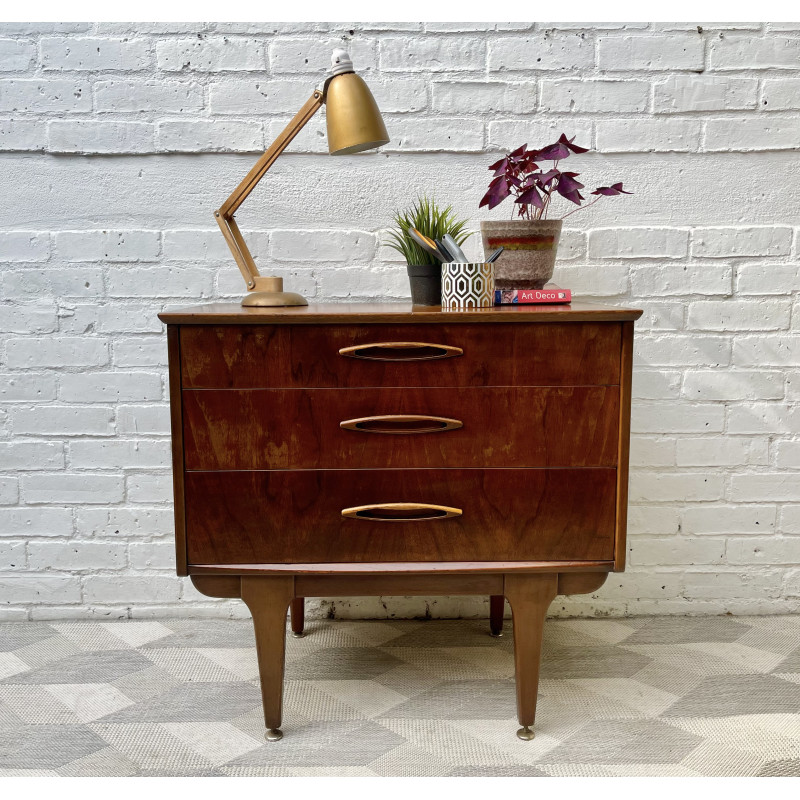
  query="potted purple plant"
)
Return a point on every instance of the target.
[{"x": 531, "y": 240}]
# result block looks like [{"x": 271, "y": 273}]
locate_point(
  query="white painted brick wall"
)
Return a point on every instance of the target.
[{"x": 702, "y": 125}]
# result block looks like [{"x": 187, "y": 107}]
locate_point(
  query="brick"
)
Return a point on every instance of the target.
[
  {"x": 63, "y": 421},
  {"x": 230, "y": 282},
  {"x": 143, "y": 420},
  {"x": 766, "y": 351},
  {"x": 324, "y": 245},
  {"x": 651, "y": 451},
  {"x": 450, "y": 134},
  {"x": 749, "y": 584},
  {"x": 721, "y": 451},
  {"x": 706, "y": 385},
  {"x": 464, "y": 27},
  {"x": 761, "y": 279},
  {"x": 95, "y": 54},
  {"x": 12, "y": 556},
  {"x": 540, "y": 51},
  {"x": 766, "y": 418},
  {"x": 661, "y": 585},
  {"x": 792, "y": 583},
  {"x": 91, "y": 136},
  {"x": 16, "y": 55},
  {"x": 506, "y": 135},
  {"x": 676, "y": 551},
  {"x": 653, "y": 520},
  {"x": 401, "y": 94},
  {"x": 152, "y": 555},
  {"x": 139, "y": 352},
  {"x": 610, "y": 281},
  {"x": 682, "y": 351},
  {"x": 72, "y": 488},
  {"x": 257, "y": 95},
  {"x": 22, "y": 455},
  {"x": 131, "y": 96},
  {"x": 313, "y": 54},
  {"x": 751, "y": 134},
  {"x": 648, "y": 136},
  {"x": 39, "y": 589},
  {"x": 130, "y": 589},
  {"x": 29, "y": 522},
  {"x": 684, "y": 93},
  {"x": 9, "y": 491},
  {"x": 753, "y": 550},
  {"x": 200, "y": 245},
  {"x": 119, "y": 454},
  {"x": 56, "y": 282},
  {"x": 594, "y": 96},
  {"x": 149, "y": 488},
  {"x": 24, "y": 246},
  {"x": 781, "y": 94},
  {"x": 753, "y": 52},
  {"x": 22, "y": 135},
  {"x": 109, "y": 245},
  {"x": 745, "y": 241},
  {"x": 160, "y": 282},
  {"x": 671, "y": 417},
  {"x": 43, "y": 96},
  {"x": 789, "y": 520},
  {"x": 649, "y": 52},
  {"x": 739, "y": 315},
  {"x": 674, "y": 486},
  {"x": 110, "y": 387},
  {"x": 211, "y": 54},
  {"x": 27, "y": 387},
  {"x": 76, "y": 556},
  {"x": 355, "y": 282},
  {"x": 192, "y": 136},
  {"x": 483, "y": 97},
  {"x": 68, "y": 351},
  {"x": 120, "y": 521},
  {"x": 718, "y": 519},
  {"x": 765, "y": 487},
  {"x": 661, "y": 316},
  {"x": 39, "y": 28},
  {"x": 28, "y": 318},
  {"x": 613, "y": 243},
  {"x": 655, "y": 384},
  {"x": 432, "y": 54},
  {"x": 128, "y": 318},
  {"x": 787, "y": 455}
]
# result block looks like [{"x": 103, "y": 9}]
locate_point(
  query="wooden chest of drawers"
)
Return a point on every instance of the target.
[{"x": 379, "y": 449}]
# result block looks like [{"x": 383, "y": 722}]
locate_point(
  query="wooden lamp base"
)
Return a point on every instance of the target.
[{"x": 268, "y": 293}]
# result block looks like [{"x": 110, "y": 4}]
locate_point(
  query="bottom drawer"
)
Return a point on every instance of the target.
[{"x": 289, "y": 516}]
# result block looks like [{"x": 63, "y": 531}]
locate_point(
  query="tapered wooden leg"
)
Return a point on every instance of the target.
[
  {"x": 297, "y": 609},
  {"x": 268, "y": 597},
  {"x": 497, "y": 606},
  {"x": 529, "y": 596}
]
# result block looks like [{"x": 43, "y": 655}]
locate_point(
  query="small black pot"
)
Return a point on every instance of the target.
[{"x": 426, "y": 284}]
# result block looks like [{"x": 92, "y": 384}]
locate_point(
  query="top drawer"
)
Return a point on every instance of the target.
[{"x": 306, "y": 356}]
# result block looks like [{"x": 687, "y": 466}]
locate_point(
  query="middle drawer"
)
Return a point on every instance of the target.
[{"x": 401, "y": 428}]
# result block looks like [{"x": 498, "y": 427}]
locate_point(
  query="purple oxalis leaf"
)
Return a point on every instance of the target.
[
  {"x": 609, "y": 191},
  {"x": 531, "y": 196}
]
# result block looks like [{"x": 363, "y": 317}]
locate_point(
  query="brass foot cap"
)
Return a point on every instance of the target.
[
  {"x": 273, "y": 734},
  {"x": 496, "y": 635},
  {"x": 526, "y": 734},
  {"x": 298, "y": 635}
]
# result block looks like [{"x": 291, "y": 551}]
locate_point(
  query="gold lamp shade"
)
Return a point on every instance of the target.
[{"x": 354, "y": 121}]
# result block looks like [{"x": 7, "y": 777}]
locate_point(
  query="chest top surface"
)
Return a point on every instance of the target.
[{"x": 365, "y": 313}]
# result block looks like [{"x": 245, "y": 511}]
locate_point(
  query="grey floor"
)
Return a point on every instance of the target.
[{"x": 647, "y": 696}]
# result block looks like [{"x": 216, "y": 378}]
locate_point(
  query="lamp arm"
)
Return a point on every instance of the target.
[{"x": 224, "y": 215}]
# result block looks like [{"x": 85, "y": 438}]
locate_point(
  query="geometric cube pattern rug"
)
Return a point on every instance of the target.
[{"x": 672, "y": 696}]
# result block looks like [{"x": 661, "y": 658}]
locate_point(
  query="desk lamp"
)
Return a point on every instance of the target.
[{"x": 354, "y": 124}]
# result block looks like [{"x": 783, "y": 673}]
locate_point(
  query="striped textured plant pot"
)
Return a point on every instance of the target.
[
  {"x": 529, "y": 256},
  {"x": 467, "y": 285}
]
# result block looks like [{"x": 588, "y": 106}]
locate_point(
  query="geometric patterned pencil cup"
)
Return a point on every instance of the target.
[{"x": 467, "y": 285}]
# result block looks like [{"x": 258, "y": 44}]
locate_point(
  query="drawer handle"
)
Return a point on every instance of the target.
[
  {"x": 401, "y": 423},
  {"x": 400, "y": 512},
  {"x": 401, "y": 351}
]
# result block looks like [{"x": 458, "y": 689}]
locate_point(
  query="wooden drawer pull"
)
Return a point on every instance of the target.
[
  {"x": 401, "y": 423},
  {"x": 400, "y": 512},
  {"x": 401, "y": 351}
]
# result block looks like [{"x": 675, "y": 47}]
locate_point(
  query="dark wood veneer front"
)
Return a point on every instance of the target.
[
  {"x": 508, "y": 515},
  {"x": 501, "y": 427},
  {"x": 502, "y": 354}
]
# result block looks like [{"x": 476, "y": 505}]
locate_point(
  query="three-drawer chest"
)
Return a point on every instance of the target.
[{"x": 385, "y": 449}]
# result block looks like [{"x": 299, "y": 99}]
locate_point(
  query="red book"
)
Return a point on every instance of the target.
[{"x": 549, "y": 294}]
